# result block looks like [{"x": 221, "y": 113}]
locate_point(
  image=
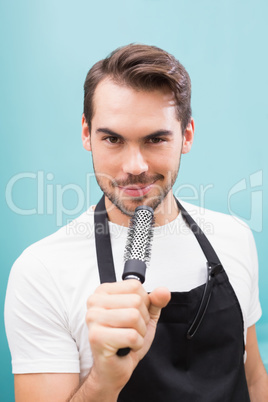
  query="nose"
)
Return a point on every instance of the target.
[{"x": 134, "y": 162}]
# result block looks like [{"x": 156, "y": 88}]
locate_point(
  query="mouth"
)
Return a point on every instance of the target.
[{"x": 136, "y": 190}]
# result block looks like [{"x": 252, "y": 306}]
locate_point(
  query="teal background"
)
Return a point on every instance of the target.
[{"x": 47, "y": 48}]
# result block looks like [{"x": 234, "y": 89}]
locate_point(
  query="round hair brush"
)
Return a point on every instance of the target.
[{"x": 138, "y": 249}]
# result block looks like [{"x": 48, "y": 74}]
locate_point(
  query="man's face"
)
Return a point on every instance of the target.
[{"x": 136, "y": 143}]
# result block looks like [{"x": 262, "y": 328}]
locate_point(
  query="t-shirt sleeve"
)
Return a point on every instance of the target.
[
  {"x": 254, "y": 312},
  {"x": 36, "y": 320}
]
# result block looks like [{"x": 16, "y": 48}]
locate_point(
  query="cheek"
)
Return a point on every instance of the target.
[
  {"x": 167, "y": 159},
  {"x": 106, "y": 164}
]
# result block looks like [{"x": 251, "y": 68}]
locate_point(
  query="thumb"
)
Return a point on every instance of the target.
[{"x": 159, "y": 298}]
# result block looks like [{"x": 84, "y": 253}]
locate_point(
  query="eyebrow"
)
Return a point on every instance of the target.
[{"x": 157, "y": 133}]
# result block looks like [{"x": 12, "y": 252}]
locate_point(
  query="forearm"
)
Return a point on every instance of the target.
[
  {"x": 258, "y": 390},
  {"x": 257, "y": 378},
  {"x": 91, "y": 390}
]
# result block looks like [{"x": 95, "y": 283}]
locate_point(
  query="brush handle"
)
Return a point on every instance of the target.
[
  {"x": 123, "y": 352},
  {"x": 133, "y": 269}
]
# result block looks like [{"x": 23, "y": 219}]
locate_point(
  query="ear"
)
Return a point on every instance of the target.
[
  {"x": 188, "y": 137},
  {"x": 85, "y": 134}
]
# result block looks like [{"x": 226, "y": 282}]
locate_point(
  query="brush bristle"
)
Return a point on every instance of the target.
[{"x": 140, "y": 235}]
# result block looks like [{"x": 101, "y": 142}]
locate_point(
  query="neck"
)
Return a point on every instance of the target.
[{"x": 166, "y": 212}]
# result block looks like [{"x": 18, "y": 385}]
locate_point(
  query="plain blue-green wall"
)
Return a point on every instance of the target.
[{"x": 47, "y": 48}]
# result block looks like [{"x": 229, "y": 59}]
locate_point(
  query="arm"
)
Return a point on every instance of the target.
[
  {"x": 58, "y": 387},
  {"x": 257, "y": 378},
  {"x": 119, "y": 315},
  {"x": 44, "y": 387}
]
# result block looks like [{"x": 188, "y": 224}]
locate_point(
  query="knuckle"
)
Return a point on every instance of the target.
[
  {"x": 95, "y": 315},
  {"x": 137, "y": 301},
  {"x": 91, "y": 301},
  {"x": 93, "y": 336},
  {"x": 135, "y": 285},
  {"x": 134, "y": 315},
  {"x": 90, "y": 316},
  {"x": 132, "y": 336},
  {"x": 103, "y": 288},
  {"x": 94, "y": 300}
]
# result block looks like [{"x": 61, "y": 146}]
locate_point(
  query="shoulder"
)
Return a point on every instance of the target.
[
  {"x": 231, "y": 238},
  {"x": 67, "y": 236},
  {"x": 218, "y": 224},
  {"x": 59, "y": 253}
]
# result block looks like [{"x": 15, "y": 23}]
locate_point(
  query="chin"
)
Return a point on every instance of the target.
[{"x": 129, "y": 207}]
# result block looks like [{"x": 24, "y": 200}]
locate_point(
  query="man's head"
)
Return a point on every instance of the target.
[
  {"x": 145, "y": 68},
  {"x": 137, "y": 123}
]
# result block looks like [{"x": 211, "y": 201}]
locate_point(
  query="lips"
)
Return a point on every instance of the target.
[{"x": 136, "y": 191}]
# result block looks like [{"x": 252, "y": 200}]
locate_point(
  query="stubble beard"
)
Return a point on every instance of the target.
[{"x": 151, "y": 201}]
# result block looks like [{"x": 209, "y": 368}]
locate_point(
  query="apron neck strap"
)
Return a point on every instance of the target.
[
  {"x": 103, "y": 243},
  {"x": 205, "y": 245}
]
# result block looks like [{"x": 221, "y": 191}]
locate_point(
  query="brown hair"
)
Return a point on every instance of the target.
[{"x": 145, "y": 68}]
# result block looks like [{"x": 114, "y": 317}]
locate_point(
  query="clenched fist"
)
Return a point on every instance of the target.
[{"x": 120, "y": 315}]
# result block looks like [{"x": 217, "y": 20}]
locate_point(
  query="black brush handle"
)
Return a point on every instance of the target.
[
  {"x": 123, "y": 352},
  {"x": 134, "y": 269}
]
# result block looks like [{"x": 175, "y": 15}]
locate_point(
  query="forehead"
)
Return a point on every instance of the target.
[{"x": 113, "y": 101}]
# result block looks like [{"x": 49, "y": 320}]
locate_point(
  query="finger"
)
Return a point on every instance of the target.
[
  {"x": 119, "y": 318},
  {"x": 120, "y": 301},
  {"x": 122, "y": 287},
  {"x": 107, "y": 341},
  {"x": 159, "y": 298}
]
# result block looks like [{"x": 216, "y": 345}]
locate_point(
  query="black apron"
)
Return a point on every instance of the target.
[{"x": 197, "y": 352}]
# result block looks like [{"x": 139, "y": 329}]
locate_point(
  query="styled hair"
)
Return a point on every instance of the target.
[{"x": 141, "y": 67}]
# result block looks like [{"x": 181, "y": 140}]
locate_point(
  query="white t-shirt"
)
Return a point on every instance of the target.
[{"x": 50, "y": 282}]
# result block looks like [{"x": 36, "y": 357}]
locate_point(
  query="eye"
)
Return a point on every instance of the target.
[
  {"x": 112, "y": 140},
  {"x": 156, "y": 140}
]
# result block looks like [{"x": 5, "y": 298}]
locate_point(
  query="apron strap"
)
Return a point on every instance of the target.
[
  {"x": 214, "y": 267},
  {"x": 208, "y": 250},
  {"x": 103, "y": 244}
]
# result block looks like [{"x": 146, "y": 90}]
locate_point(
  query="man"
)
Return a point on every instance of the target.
[{"x": 136, "y": 123}]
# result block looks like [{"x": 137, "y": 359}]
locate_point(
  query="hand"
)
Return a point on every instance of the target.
[{"x": 121, "y": 315}]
